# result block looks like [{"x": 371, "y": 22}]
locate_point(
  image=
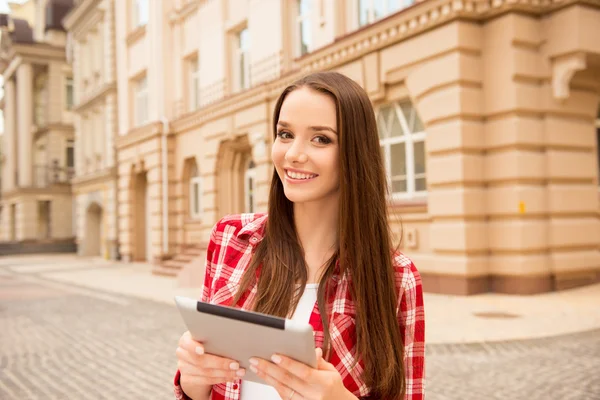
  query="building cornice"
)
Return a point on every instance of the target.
[
  {"x": 49, "y": 190},
  {"x": 139, "y": 135},
  {"x": 95, "y": 96},
  {"x": 76, "y": 16},
  {"x": 418, "y": 18},
  {"x": 40, "y": 51},
  {"x": 398, "y": 27},
  {"x": 103, "y": 176}
]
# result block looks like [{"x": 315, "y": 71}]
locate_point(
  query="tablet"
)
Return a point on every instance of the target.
[{"x": 238, "y": 335}]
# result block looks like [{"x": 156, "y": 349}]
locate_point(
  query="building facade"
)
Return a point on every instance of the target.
[
  {"x": 91, "y": 25},
  {"x": 486, "y": 112},
  {"x": 38, "y": 162}
]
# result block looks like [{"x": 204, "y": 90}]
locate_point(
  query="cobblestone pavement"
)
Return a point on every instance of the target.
[{"x": 59, "y": 342}]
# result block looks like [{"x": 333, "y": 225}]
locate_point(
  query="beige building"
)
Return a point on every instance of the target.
[
  {"x": 487, "y": 113},
  {"x": 38, "y": 161},
  {"x": 91, "y": 26}
]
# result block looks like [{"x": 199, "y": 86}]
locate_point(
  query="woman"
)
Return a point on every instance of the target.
[{"x": 322, "y": 254}]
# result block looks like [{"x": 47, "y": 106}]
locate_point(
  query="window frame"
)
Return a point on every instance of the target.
[
  {"x": 388, "y": 9},
  {"x": 194, "y": 83},
  {"x": 140, "y": 96},
  {"x": 250, "y": 196},
  {"x": 195, "y": 202},
  {"x": 69, "y": 93},
  {"x": 139, "y": 19},
  {"x": 241, "y": 66},
  {"x": 299, "y": 21},
  {"x": 409, "y": 140}
]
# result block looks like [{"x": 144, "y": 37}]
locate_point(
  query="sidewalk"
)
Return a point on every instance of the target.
[{"x": 449, "y": 319}]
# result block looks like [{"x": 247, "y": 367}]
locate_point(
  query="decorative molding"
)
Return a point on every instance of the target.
[
  {"x": 135, "y": 35},
  {"x": 181, "y": 14},
  {"x": 95, "y": 96},
  {"x": 563, "y": 69},
  {"x": 138, "y": 135},
  {"x": 396, "y": 28},
  {"x": 103, "y": 176},
  {"x": 85, "y": 18}
]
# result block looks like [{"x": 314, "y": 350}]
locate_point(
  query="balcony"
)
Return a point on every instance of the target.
[{"x": 47, "y": 175}]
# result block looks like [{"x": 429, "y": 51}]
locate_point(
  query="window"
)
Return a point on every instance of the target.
[
  {"x": 70, "y": 153},
  {"x": 141, "y": 101},
  {"x": 194, "y": 84},
  {"x": 242, "y": 60},
  {"x": 370, "y": 11},
  {"x": 195, "y": 193},
  {"x": 140, "y": 13},
  {"x": 402, "y": 139},
  {"x": 250, "y": 186},
  {"x": 40, "y": 100},
  {"x": 69, "y": 91},
  {"x": 304, "y": 39}
]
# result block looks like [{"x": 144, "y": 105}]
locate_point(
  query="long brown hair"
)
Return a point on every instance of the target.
[{"x": 364, "y": 241}]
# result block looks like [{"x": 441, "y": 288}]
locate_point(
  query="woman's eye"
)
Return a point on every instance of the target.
[
  {"x": 322, "y": 140},
  {"x": 284, "y": 135}
]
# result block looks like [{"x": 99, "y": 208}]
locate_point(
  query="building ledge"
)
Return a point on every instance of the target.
[{"x": 135, "y": 35}]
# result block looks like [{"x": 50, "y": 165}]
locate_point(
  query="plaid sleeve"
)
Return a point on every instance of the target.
[
  {"x": 208, "y": 278},
  {"x": 411, "y": 317}
]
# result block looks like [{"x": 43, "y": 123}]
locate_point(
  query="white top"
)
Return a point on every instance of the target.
[{"x": 254, "y": 391}]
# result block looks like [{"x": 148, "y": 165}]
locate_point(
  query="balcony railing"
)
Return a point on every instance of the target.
[{"x": 46, "y": 175}]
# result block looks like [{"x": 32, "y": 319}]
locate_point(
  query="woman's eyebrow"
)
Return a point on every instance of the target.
[{"x": 312, "y": 128}]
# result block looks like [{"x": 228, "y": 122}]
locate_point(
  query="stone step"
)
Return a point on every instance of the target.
[{"x": 38, "y": 247}]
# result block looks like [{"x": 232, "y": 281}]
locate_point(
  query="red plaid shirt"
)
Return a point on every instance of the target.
[{"x": 229, "y": 253}]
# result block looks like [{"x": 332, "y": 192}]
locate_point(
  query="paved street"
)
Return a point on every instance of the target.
[{"x": 62, "y": 341}]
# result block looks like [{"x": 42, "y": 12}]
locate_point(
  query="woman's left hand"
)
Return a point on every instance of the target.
[{"x": 296, "y": 381}]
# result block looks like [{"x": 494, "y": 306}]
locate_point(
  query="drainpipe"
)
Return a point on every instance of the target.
[{"x": 165, "y": 185}]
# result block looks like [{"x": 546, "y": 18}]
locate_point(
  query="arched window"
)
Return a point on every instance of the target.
[
  {"x": 250, "y": 187},
  {"x": 402, "y": 140},
  {"x": 195, "y": 193}
]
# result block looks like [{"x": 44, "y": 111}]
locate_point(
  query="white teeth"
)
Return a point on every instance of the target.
[{"x": 296, "y": 175}]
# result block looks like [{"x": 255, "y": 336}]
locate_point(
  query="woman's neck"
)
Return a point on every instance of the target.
[{"x": 317, "y": 228}]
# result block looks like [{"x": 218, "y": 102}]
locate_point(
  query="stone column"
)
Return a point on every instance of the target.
[
  {"x": 25, "y": 118},
  {"x": 447, "y": 92},
  {"x": 10, "y": 136}
]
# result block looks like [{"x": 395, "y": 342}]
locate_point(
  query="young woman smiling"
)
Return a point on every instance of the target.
[{"x": 322, "y": 254}]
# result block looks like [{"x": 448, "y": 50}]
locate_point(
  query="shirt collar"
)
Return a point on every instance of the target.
[{"x": 254, "y": 230}]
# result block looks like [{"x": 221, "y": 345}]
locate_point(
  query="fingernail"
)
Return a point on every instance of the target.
[
  {"x": 253, "y": 369},
  {"x": 275, "y": 358},
  {"x": 234, "y": 366},
  {"x": 240, "y": 373},
  {"x": 253, "y": 361},
  {"x": 199, "y": 350}
]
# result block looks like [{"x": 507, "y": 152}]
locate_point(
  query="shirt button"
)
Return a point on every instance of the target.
[
  {"x": 253, "y": 240},
  {"x": 235, "y": 386}
]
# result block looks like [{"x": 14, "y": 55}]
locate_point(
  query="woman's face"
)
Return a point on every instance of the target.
[{"x": 305, "y": 152}]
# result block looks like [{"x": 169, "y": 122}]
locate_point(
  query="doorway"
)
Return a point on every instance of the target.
[
  {"x": 141, "y": 218},
  {"x": 93, "y": 230}
]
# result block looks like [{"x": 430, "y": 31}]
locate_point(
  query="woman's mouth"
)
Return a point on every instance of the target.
[{"x": 296, "y": 177}]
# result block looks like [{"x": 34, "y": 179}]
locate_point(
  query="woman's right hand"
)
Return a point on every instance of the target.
[{"x": 200, "y": 371}]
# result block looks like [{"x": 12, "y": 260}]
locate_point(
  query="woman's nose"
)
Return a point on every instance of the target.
[{"x": 296, "y": 154}]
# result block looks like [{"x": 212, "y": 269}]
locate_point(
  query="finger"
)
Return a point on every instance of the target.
[
  {"x": 280, "y": 374},
  {"x": 282, "y": 388},
  {"x": 324, "y": 365},
  {"x": 295, "y": 368},
  {"x": 187, "y": 342},
  {"x": 190, "y": 380},
  {"x": 319, "y": 353},
  {"x": 194, "y": 369}
]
